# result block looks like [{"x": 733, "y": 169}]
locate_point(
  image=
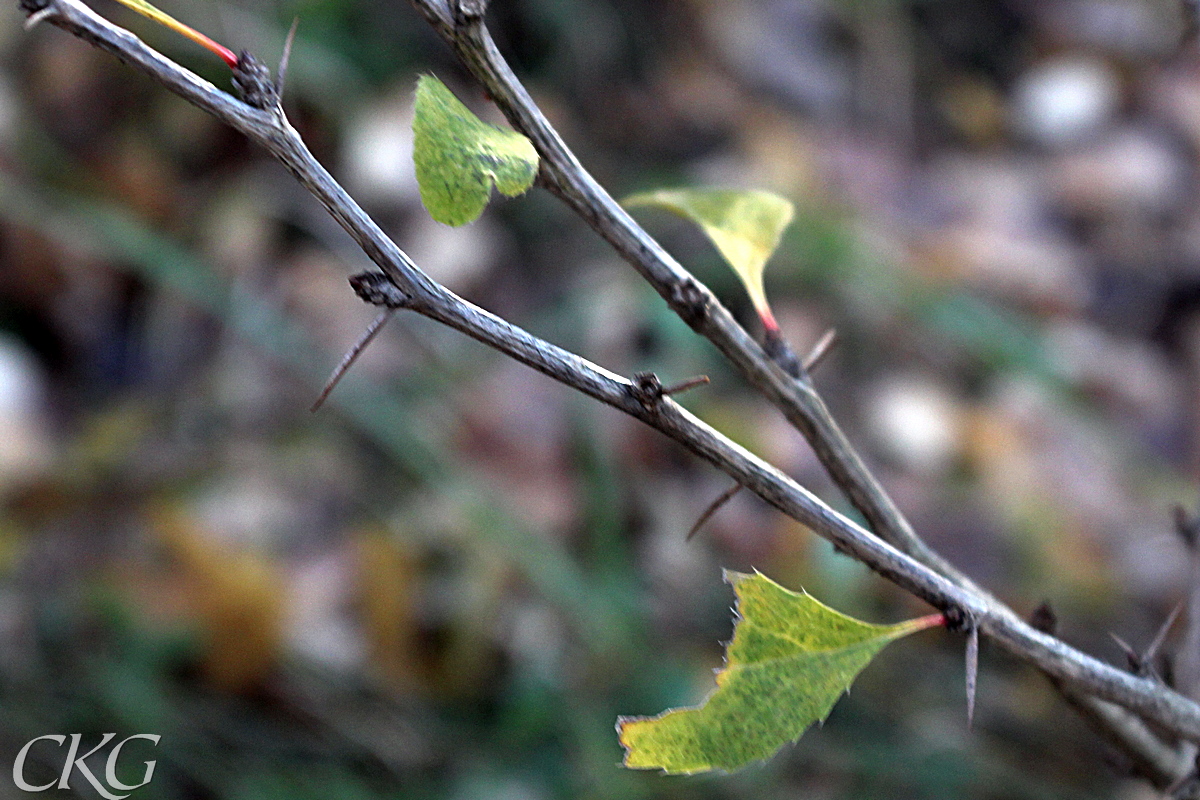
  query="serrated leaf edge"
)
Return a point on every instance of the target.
[{"x": 892, "y": 632}]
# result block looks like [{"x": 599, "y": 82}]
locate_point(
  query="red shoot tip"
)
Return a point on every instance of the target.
[
  {"x": 933, "y": 621},
  {"x": 768, "y": 320},
  {"x": 146, "y": 9},
  {"x": 221, "y": 51}
]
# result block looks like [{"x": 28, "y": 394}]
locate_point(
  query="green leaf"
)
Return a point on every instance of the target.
[
  {"x": 790, "y": 659},
  {"x": 459, "y": 157},
  {"x": 745, "y": 227}
]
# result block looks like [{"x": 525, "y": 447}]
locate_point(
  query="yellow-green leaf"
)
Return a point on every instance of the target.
[
  {"x": 790, "y": 659},
  {"x": 745, "y": 227},
  {"x": 459, "y": 157}
]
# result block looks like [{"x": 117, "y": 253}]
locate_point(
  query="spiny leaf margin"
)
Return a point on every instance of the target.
[
  {"x": 459, "y": 157},
  {"x": 790, "y": 659}
]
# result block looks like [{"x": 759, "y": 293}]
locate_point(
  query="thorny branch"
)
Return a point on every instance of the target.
[
  {"x": 907, "y": 562},
  {"x": 1158, "y": 762},
  {"x": 774, "y": 369}
]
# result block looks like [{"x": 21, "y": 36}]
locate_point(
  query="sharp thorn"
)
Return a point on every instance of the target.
[
  {"x": 351, "y": 356},
  {"x": 1160, "y": 637},
  {"x": 37, "y": 16},
  {"x": 683, "y": 386},
  {"x": 1136, "y": 664},
  {"x": 281, "y": 75},
  {"x": 713, "y": 507},
  {"x": 820, "y": 350},
  {"x": 972, "y": 671}
]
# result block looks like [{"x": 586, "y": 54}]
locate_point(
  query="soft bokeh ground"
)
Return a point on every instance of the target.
[{"x": 450, "y": 581}]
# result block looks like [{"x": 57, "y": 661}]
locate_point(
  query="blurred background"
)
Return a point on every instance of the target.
[{"x": 451, "y": 580}]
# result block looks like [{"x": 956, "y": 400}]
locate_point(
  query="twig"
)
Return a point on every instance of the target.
[
  {"x": 347, "y": 360},
  {"x": 713, "y": 507},
  {"x": 1161, "y": 763},
  {"x": 563, "y": 174},
  {"x": 774, "y": 370},
  {"x": 33, "y": 19},
  {"x": 1187, "y": 655},
  {"x": 972, "y": 671},
  {"x": 686, "y": 385},
  {"x": 820, "y": 349},
  {"x": 268, "y": 126},
  {"x": 1158, "y": 762},
  {"x": 285, "y": 59}
]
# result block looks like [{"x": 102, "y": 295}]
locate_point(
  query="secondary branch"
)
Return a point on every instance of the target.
[{"x": 268, "y": 126}]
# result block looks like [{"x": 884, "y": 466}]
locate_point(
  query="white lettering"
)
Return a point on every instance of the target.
[
  {"x": 77, "y": 763},
  {"x": 110, "y": 769},
  {"x": 19, "y": 764}
]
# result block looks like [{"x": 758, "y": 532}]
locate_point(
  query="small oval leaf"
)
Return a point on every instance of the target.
[
  {"x": 790, "y": 659},
  {"x": 459, "y": 157},
  {"x": 744, "y": 225}
]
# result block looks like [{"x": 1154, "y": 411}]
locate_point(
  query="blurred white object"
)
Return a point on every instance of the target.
[
  {"x": 378, "y": 152},
  {"x": 1063, "y": 101},
  {"x": 917, "y": 422},
  {"x": 455, "y": 257},
  {"x": 25, "y": 448}
]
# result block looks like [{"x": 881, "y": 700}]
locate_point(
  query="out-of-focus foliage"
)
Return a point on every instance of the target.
[{"x": 450, "y": 581}]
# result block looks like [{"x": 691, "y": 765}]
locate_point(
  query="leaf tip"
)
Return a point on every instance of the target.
[{"x": 733, "y": 577}]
